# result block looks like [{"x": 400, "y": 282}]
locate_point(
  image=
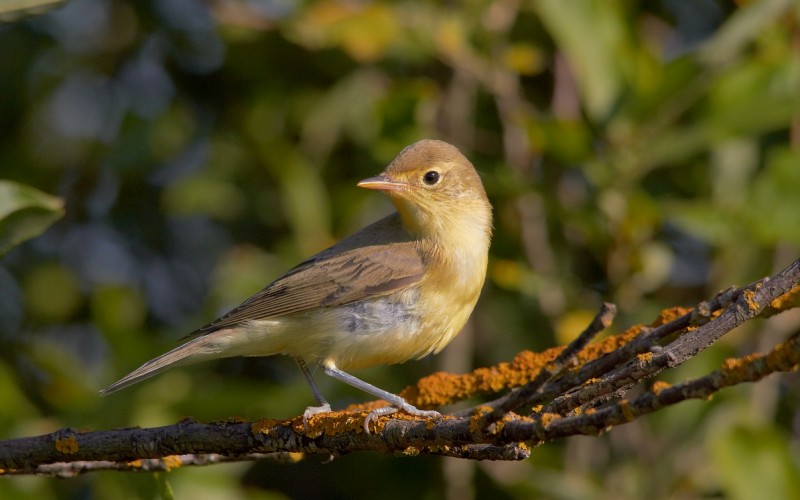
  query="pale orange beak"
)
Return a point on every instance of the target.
[{"x": 382, "y": 183}]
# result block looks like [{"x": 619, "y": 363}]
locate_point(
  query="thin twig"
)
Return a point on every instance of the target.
[
  {"x": 522, "y": 396},
  {"x": 548, "y": 426}
]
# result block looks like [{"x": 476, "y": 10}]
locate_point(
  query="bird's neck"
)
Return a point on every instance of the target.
[{"x": 456, "y": 238}]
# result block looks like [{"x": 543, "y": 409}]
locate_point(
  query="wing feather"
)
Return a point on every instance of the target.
[{"x": 367, "y": 264}]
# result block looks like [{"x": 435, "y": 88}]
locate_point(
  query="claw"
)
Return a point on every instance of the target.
[
  {"x": 314, "y": 410},
  {"x": 388, "y": 410},
  {"x": 374, "y": 414}
]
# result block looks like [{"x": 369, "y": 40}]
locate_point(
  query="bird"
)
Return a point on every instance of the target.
[{"x": 401, "y": 288}]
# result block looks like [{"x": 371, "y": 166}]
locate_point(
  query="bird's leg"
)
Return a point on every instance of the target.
[
  {"x": 324, "y": 406},
  {"x": 396, "y": 402}
]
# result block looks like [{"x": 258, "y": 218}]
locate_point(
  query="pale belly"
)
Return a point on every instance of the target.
[{"x": 357, "y": 335}]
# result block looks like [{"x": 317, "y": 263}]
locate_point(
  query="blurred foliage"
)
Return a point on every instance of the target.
[{"x": 645, "y": 153}]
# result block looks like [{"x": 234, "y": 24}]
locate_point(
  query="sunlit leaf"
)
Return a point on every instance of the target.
[{"x": 25, "y": 213}]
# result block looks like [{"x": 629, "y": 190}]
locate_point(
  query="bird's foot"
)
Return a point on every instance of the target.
[
  {"x": 314, "y": 410},
  {"x": 388, "y": 410}
]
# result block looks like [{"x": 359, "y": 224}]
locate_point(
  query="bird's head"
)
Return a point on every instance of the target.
[{"x": 437, "y": 192}]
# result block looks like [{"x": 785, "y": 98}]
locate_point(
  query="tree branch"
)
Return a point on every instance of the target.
[{"x": 576, "y": 390}]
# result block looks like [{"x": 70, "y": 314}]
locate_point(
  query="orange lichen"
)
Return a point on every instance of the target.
[
  {"x": 430, "y": 423},
  {"x": 336, "y": 422},
  {"x": 786, "y": 301},
  {"x": 783, "y": 357},
  {"x": 67, "y": 445},
  {"x": 670, "y": 314},
  {"x": 476, "y": 421},
  {"x": 625, "y": 407},
  {"x": 749, "y": 297},
  {"x": 659, "y": 386},
  {"x": 439, "y": 448},
  {"x": 441, "y": 388},
  {"x": 736, "y": 368},
  {"x": 482, "y": 409},
  {"x": 508, "y": 417},
  {"x": 263, "y": 426},
  {"x": 296, "y": 456},
  {"x": 548, "y": 418},
  {"x": 410, "y": 452},
  {"x": 172, "y": 462},
  {"x": 134, "y": 464},
  {"x": 645, "y": 357},
  {"x": 731, "y": 364}
]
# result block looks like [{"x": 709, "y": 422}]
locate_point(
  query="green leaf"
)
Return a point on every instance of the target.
[
  {"x": 592, "y": 35},
  {"x": 25, "y": 213}
]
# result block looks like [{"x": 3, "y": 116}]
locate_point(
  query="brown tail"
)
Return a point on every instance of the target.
[{"x": 189, "y": 353}]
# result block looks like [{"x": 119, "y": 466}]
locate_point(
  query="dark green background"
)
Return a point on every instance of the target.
[{"x": 644, "y": 153}]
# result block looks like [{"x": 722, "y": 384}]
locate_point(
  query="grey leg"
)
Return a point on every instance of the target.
[
  {"x": 396, "y": 401},
  {"x": 324, "y": 406}
]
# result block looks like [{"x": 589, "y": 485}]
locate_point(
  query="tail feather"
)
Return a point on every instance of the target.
[{"x": 188, "y": 353}]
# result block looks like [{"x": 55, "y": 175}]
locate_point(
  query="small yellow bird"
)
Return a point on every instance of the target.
[{"x": 398, "y": 289}]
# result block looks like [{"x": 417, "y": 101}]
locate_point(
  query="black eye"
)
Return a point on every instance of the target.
[{"x": 431, "y": 178}]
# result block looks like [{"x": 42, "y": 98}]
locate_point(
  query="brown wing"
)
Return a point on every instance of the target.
[{"x": 345, "y": 273}]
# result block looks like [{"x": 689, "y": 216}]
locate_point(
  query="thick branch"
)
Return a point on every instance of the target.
[{"x": 583, "y": 400}]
